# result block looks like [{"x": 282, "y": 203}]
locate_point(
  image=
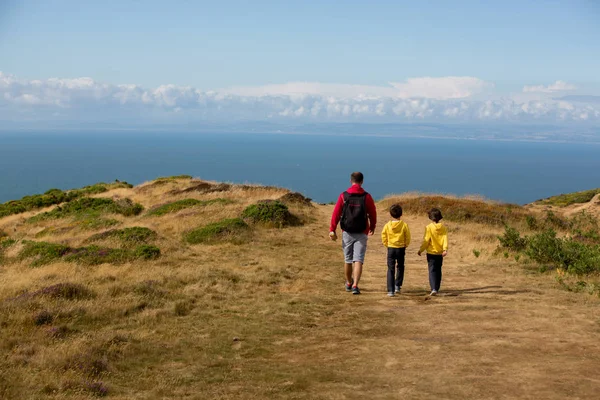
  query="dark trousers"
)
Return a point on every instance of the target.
[
  {"x": 434, "y": 262},
  {"x": 395, "y": 262}
]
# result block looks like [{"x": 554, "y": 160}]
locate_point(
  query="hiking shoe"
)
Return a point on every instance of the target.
[
  {"x": 390, "y": 294},
  {"x": 349, "y": 286},
  {"x": 355, "y": 290},
  {"x": 433, "y": 293},
  {"x": 398, "y": 289}
]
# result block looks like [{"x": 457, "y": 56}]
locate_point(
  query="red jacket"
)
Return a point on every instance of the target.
[{"x": 369, "y": 203}]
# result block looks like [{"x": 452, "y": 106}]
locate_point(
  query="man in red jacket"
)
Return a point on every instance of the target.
[{"x": 355, "y": 209}]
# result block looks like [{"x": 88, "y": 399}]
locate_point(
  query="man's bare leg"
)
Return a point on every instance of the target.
[
  {"x": 348, "y": 272},
  {"x": 357, "y": 272}
]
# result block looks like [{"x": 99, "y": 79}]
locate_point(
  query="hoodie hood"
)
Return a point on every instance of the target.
[
  {"x": 396, "y": 226},
  {"x": 438, "y": 227},
  {"x": 355, "y": 189}
]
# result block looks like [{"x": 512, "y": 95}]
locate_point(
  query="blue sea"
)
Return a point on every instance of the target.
[{"x": 318, "y": 166}]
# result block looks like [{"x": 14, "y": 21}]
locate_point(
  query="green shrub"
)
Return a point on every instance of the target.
[
  {"x": 182, "y": 204},
  {"x": 554, "y": 221},
  {"x": 128, "y": 236},
  {"x": 89, "y": 207},
  {"x": 55, "y": 196},
  {"x": 95, "y": 255},
  {"x": 476, "y": 253},
  {"x": 228, "y": 229},
  {"x": 512, "y": 240},
  {"x": 43, "y": 252},
  {"x": 564, "y": 200},
  {"x": 531, "y": 222},
  {"x": 270, "y": 213},
  {"x": 147, "y": 252}
]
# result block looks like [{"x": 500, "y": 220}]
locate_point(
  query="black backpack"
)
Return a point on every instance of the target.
[{"x": 354, "y": 213}]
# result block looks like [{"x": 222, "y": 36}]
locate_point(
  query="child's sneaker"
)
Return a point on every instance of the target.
[
  {"x": 355, "y": 290},
  {"x": 390, "y": 294},
  {"x": 433, "y": 293},
  {"x": 398, "y": 289}
]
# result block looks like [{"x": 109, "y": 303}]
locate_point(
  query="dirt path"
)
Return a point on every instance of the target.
[{"x": 496, "y": 332}]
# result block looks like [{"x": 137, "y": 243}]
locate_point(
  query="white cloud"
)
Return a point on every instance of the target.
[
  {"x": 450, "y": 87},
  {"x": 417, "y": 99},
  {"x": 558, "y": 86}
]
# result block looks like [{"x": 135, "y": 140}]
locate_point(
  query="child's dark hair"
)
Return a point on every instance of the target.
[
  {"x": 435, "y": 215},
  {"x": 396, "y": 211},
  {"x": 357, "y": 177}
]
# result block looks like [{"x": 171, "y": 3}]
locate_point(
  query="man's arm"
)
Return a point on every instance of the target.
[
  {"x": 337, "y": 213},
  {"x": 372, "y": 213}
]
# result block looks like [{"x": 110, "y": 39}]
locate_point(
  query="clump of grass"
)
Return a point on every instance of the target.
[
  {"x": 568, "y": 199},
  {"x": 60, "y": 332},
  {"x": 66, "y": 291},
  {"x": 128, "y": 236},
  {"x": 55, "y": 196},
  {"x": 44, "y": 317},
  {"x": 165, "y": 179},
  {"x": 90, "y": 207},
  {"x": 295, "y": 198},
  {"x": 183, "y": 204},
  {"x": 95, "y": 255},
  {"x": 461, "y": 209},
  {"x": 270, "y": 213},
  {"x": 93, "y": 222},
  {"x": 45, "y": 253},
  {"x": 512, "y": 240},
  {"x": 229, "y": 229},
  {"x": 147, "y": 252},
  {"x": 476, "y": 253}
]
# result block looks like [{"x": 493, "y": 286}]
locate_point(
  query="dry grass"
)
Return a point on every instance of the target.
[{"x": 268, "y": 318}]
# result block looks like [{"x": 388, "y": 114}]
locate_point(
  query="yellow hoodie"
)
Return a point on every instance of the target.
[
  {"x": 436, "y": 239},
  {"x": 395, "y": 234}
]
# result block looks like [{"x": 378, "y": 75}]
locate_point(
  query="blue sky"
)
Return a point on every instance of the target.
[{"x": 476, "y": 51}]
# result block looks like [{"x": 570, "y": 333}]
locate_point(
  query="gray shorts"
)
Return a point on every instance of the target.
[{"x": 355, "y": 246}]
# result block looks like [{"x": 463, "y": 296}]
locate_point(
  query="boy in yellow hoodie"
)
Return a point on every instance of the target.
[
  {"x": 396, "y": 237},
  {"x": 436, "y": 244}
]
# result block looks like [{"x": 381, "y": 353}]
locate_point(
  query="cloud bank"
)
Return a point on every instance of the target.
[{"x": 446, "y": 99}]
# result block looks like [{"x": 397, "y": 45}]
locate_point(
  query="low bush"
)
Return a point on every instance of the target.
[
  {"x": 229, "y": 229},
  {"x": 55, "y": 196},
  {"x": 147, "y": 252},
  {"x": 89, "y": 207},
  {"x": 461, "y": 209},
  {"x": 512, "y": 240},
  {"x": 295, "y": 198},
  {"x": 45, "y": 253},
  {"x": 66, "y": 291},
  {"x": 183, "y": 204},
  {"x": 270, "y": 213},
  {"x": 548, "y": 250},
  {"x": 128, "y": 236},
  {"x": 564, "y": 200}
]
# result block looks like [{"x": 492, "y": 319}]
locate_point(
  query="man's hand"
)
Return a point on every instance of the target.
[
  {"x": 371, "y": 232},
  {"x": 332, "y": 236},
  {"x": 444, "y": 253}
]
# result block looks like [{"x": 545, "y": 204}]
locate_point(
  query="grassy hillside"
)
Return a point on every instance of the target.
[{"x": 180, "y": 288}]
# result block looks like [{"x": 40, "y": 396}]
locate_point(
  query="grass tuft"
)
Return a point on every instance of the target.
[
  {"x": 270, "y": 213},
  {"x": 91, "y": 207},
  {"x": 233, "y": 229},
  {"x": 66, "y": 291},
  {"x": 183, "y": 204},
  {"x": 128, "y": 236},
  {"x": 564, "y": 200}
]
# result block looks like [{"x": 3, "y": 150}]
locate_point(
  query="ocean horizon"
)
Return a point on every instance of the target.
[{"x": 317, "y": 165}]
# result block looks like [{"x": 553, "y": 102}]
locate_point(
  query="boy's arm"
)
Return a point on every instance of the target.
[
  {"x": 337, "y": 213},
  {"x": 426, "y": 240},
  {"x": 445, "y": 242},
  {"x": 384, "y": 235},
  {"x": 407, "y": 236}
]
